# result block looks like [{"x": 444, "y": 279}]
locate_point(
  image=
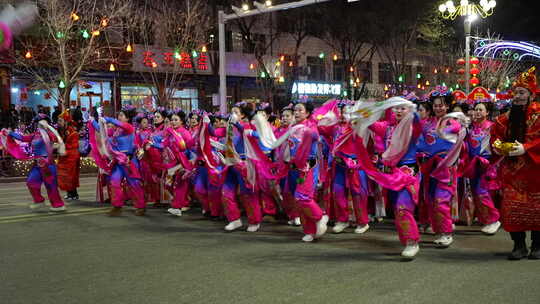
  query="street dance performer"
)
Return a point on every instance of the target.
[
  {"x": 516, "y": 137},
  {"x": 41, "y": 142},
  {"x": 113, "y": 149}
]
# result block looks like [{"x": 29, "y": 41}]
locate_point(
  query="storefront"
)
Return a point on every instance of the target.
[{"x": 86, "y": 94}]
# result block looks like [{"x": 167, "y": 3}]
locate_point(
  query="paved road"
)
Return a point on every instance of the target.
[{"x": 84, "y": 256}]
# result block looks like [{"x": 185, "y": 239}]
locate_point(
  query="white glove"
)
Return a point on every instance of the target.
[
  {"x": 206, "y": 119},
  {"x": 234, "y": 118},
  {"x": 518, "y": 149},
  {"x": 43, "y": 123}
]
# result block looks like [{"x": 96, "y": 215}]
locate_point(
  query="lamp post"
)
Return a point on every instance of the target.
[
  {"x": 245, "y": 11},
  {"x": 469, "y": 12}
]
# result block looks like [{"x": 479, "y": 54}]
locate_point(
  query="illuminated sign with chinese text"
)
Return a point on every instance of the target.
[
  {"x": 183, "y": 60},
  {"x": 316, "y": 88}
]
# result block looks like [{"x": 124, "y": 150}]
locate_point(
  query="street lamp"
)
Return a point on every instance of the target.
[{"x": 470, "y": 12}]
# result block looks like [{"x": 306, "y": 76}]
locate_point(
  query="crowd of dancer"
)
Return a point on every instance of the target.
[{"x": 345, "y": 162}]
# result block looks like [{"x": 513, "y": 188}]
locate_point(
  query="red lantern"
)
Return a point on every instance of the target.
[
  {"x": 475, "y": 71},
  {"x": 475, "y": 60},
  {"x": 460, "y": 61},
  {"x": 474, "y": 81},
  {"x": 461, "y": 71}
]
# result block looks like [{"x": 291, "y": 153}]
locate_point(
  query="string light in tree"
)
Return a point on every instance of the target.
[
  {"x": 104, "y": 22},
  {"x": 28, "y": 55},
  {"x": 321, "y": 55},
  {"x": 112, "y": 68},
  {"x": 282, "y": 58},
  {"x": 281, "y": 79},
  {"x": 335, "y": 57},
  {"x": 85, "y": 34},
  {"x": 263, "y": 74},
  {"x": 96, "y": 33},
  {"x": 194, "y": 54},
  {"x": 129, "y": 48},
  {"x": 62, "y": 84},
  {"x": 60, "y": 35},
  {"x": 204, "y": 50},
  {"x": 74, "y": 16},
  {"x": 251, "y": 66},
  {"x": 291, "y": 63}
]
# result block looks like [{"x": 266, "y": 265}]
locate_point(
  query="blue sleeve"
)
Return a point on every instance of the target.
[
  {"x": 17, "y": 136},
  {"x": 239, "y": 127},
  {"x": 255, "y": 134},
  {"x": 95, "y": 124},
  {"x": 113, "y": 121}
]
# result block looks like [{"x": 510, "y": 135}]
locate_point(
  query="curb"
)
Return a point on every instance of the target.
[{"x": 19, "y": 179}]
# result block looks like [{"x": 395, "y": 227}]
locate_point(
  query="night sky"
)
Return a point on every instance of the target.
[{"x": 514, "y": 20}]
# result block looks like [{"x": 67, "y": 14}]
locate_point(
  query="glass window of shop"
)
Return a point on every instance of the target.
[
  {"x": 140, "y": 96},
  {"x": 86, "y": 94},
  {"x": 186, "y": 99}
]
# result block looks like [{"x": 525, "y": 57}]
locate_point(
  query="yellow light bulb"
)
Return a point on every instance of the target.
[{"x": 129, "y": 49}]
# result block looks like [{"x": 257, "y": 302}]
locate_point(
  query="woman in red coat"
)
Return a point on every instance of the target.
[{"x": 69, "y": 165}]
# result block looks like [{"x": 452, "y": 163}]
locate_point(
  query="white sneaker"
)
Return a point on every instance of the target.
[
  {"x": 175, "y": 211},
  {"x": 294, "y": 222},
  {"x": 234, "y": 225},
  {"x": 492, "y": 228},
  {"x": 410, "y": 250},
  {"x": 444, "y": 240},
  {"x": 308, "y": 238},
  {"x": 253, "y": 228},
  {"x": 321, "y": 226},
  {"x": 185, "y": 209},
  {"x": 35, "y": 206},
  {"x": 57, "y": 209},
  {"x": 361, "y": 229},
  {"x": 340, "y": 226}
]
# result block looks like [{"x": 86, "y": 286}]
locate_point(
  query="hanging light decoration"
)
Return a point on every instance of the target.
[
  {"x": 28, "y": 55},
  {"x": 435, "y": 71},
  {"x": 351, "y": 69},
  {"x": 104, "y": 22},
  {"x": 278, "y": 63},
  {"x": 112, "y": 68},
  {"x": 427, "y": 82},
  {"x": 129, "y": 48},
  {"x": 74, "y": 16},
  {"x": 251, "y": 66},
  {"x": 204, "y": 50},
  {"x": 62, "y": 85},
  {"x": 194, "y": 54},
  {"x": 282, "y": 58},
  {"x": 85, "y": 34},
  {"x": 281, "y": 79},
  {"x": 291, "y": 63},
  {"x": 95, "y": 33},
  {"x": 335, "y": 57}
]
